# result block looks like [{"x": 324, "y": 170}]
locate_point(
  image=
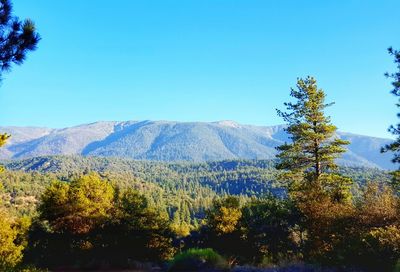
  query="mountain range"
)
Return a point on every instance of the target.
[{"x": 176, "y": 141}]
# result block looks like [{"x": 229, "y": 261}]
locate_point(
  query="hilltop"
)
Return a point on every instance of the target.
[{"x": 175, "y": 141}]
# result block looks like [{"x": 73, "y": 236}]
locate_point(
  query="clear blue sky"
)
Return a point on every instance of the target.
[{"x": 203, "y": 60}]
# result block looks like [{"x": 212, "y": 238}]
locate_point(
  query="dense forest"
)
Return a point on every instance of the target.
[
  {"x": 186, "y": 188},
  {"x": 188, "y": 197}
]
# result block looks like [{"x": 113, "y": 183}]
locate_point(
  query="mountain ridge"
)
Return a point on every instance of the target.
[{"x": 175, "y": 141}]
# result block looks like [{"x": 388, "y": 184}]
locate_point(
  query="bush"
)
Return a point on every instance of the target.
[{"x": 198, "y": 259}]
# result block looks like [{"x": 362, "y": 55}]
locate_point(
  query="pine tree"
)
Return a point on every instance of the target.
[
  {"x": 79, "y": 206},
  {"x": 395, "y": 129},
  {"x": 17, "y": 38},
  {"x": 309, "y": 160}
]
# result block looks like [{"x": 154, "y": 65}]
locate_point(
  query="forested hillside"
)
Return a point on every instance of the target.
[
  {"x": 187, "y": 188},
  {"x": 184, "y": 192}
]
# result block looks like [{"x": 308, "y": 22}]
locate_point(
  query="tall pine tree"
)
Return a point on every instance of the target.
[
  {"x": 309, "y": 160},
  {"x": 395, "y": 129}
]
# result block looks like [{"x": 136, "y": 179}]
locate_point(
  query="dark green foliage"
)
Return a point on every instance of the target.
[
  {"x": 250, "y": 233},
  {"x": 135, "y": 231},
  {"x": 395, "y": 130},
  {"x": 310, "y": 157},
  {"x": 185, "y": 190},
  {"x": 90, "y": 224},
  {"x": 233, "y": 177},
  {"x": 314, "y": 146},
  {"x": 198, "y": 260},
  {"x": 222, "y": 229},
  {"x": 334, "y": 230},
  {"x": 79, "y": 206},
  {"x": 272, "y": 228},
  {"x": 317, "y": 189},
  {"x": 147, "y": 197},
  {"x": 17, "y": 37}
]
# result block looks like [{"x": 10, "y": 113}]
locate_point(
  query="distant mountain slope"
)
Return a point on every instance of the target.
[{"x": 174, "y": 141}]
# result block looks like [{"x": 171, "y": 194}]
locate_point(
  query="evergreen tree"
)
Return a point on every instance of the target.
[
  {"x": 17, "y": 38},
  {"x": 224, "y": 216},
  {"x": 222, "y": 229},
  {"x": 270, "y": 229},
  {"x": 395, "y": 129},
  {"x": 140, "y": 231},
  {"x": 321, "y": 195},
  {"x": 310, "y": 158},
  {"x": 78, "y": 206}
]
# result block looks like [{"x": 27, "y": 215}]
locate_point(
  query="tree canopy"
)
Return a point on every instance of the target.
[
  {"x": 17, "y": 37},
  {"x": 310, "y": 158}
]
